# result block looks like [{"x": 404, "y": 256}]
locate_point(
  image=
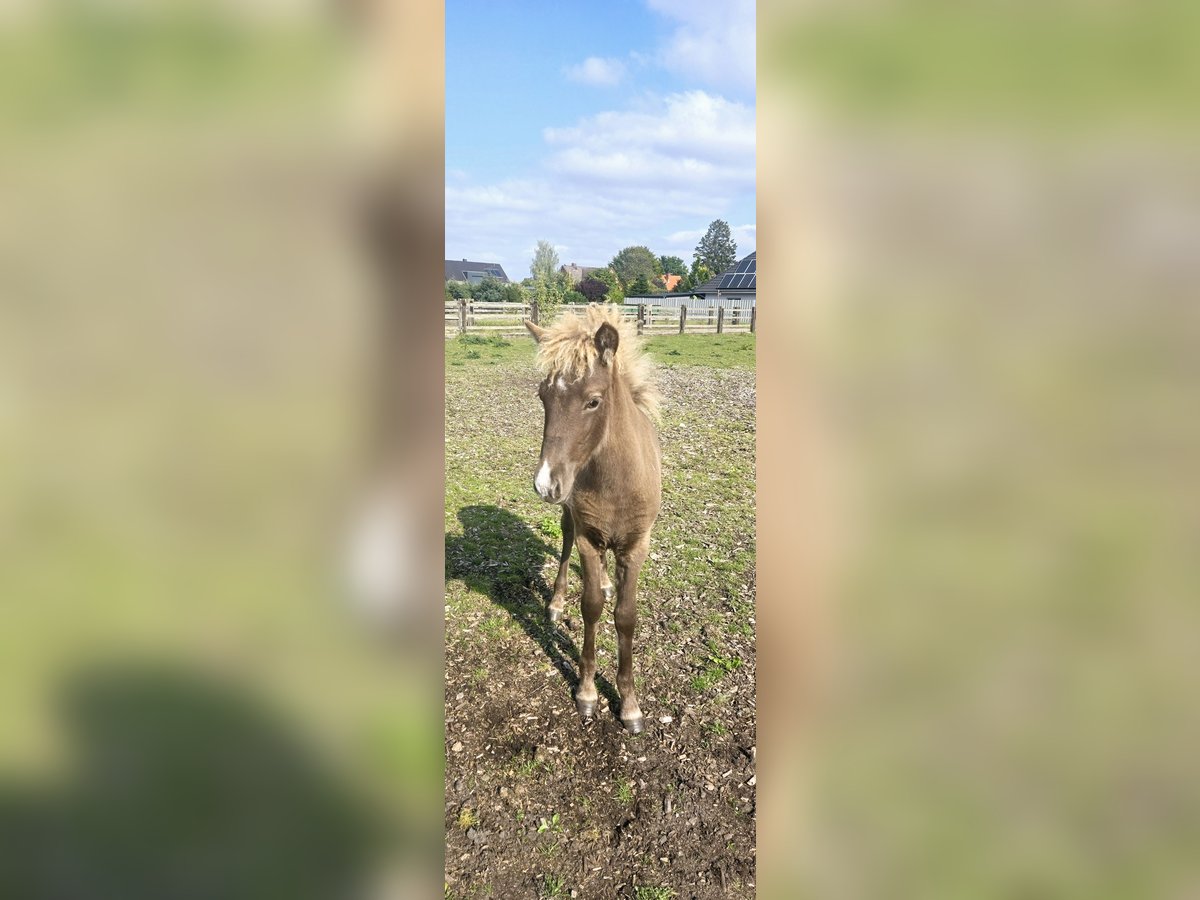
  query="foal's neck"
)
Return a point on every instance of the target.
[{"x": 626, "y": 431}]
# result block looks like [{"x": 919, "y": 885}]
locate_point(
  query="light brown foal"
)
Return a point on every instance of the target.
[{"x": 600, "y": 461}]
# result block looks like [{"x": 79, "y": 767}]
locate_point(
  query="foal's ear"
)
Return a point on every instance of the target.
[
  {"x": 538, "y": 332},
  {"x": 606, "y": 342}
]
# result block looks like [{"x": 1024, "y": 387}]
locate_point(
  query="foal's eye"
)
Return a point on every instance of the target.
[{"x": 593, "y": 403}]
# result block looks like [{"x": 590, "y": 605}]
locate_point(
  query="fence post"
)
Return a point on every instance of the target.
[
  {"x": 682, "y": 317},
  {"x": 462, "y": 315},
  {"x": 641, "y": 317},
  {"x": 753, "y": 315},
  {"x": 533, "y": 313},
  {"x": 720, "y": 319}
]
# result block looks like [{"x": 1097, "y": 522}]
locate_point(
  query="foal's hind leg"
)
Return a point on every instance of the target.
[
  {"x": 606, "y": 585},
  {"x": 629, "y": 564},
  {"x": 558, "y": 601}
]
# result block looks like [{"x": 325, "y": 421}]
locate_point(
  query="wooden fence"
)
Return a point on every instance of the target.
[{"x": 470, "y": 316}]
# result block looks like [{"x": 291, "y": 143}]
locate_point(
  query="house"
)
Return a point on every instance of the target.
[
  {"x": 473, "y": 272},
  {"x": 736, "y": 284},
  {"x": 578, "y": 273},
  {"x": 668, "y": 281}
]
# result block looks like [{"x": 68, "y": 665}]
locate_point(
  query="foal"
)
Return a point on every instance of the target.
[{"x": 600, "y": 461}]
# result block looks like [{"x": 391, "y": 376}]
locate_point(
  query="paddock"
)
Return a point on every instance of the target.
[{"x": 537, "y": 800}]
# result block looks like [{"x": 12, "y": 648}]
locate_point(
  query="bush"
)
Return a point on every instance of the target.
[{"x": 593, "y": 289}]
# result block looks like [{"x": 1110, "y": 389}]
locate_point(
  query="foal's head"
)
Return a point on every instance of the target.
[
  {"x": 588, "y": 361},
  {"x": 577, "y": 406}
]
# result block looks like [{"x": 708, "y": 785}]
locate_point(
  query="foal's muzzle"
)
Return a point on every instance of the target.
[{"x": 549, "y": 488}]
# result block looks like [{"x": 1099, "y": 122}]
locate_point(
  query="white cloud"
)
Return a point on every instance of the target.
[
  {"x": 634, "y": 176},
  {"x": 597, "y": 71},
  {"x": 713, "y": 41},
  {"x": 692, "y": 140}
]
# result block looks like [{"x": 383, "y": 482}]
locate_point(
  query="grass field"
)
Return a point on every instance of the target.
[{"x": 534, "y": 796}]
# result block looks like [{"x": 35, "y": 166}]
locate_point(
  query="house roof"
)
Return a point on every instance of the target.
[
  {"x": 669, "y": 281},
  {"x": 742, "y": 278},
  {"x": 457, "y": 269}
]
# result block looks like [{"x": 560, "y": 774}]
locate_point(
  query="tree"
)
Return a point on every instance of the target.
[
  {"x": 547, "y": 295},
  {"x": 632, "y": 262},
  {"x": 513, "y": 293},
  {"x": 608, "y": 277},
  {"x": 640, "y": 285},
  {"x": 457, "y": 290},
  {"x": 545, "y": 261},
  {"x": 672, "y": 265},
  {"x": 593, "y": 289},
  {"x": 574, "y": 297},
  {"x": 700, "y": 273},
  {"x": 716, "y": 249},
  {"x": 489, "y": 290}
]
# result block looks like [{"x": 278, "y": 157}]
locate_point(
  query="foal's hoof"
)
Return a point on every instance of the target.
[
  {"x": 634, "y": 726},
  {"x": 555, "y": 615},
  {"x": 587, "y": 708}
]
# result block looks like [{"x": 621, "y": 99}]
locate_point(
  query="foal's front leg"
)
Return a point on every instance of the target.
[
  {"x": 629, "y": 564},
  {"x": 559, "y": 599},
  {"x": 592, "y": 559}
]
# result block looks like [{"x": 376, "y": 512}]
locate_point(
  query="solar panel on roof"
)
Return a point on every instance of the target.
[{"x": 742, "y": 277}]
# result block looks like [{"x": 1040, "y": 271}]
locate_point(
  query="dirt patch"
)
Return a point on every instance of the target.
[{"x": 540, "y": 803}]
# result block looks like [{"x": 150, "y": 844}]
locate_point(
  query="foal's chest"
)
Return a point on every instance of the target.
[{"x": 612, "y": 523}]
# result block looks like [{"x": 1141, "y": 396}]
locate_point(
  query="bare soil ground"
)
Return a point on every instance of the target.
[{"x": 540, "y": 803}]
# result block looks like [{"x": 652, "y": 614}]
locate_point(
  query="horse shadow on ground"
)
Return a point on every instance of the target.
[
  {"x": 182, "y": 786},
  {"x": 499, "y": 555}
]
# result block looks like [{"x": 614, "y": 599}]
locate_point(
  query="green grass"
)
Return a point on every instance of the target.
[
  {"x": 718, "y": 351},
  {"x": 624, "y": 793},
  {"x": 722, "y": 351},
  {"x": 653, "y": 893}
]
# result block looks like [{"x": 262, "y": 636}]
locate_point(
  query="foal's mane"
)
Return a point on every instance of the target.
[{"x": 568, "y": 349}]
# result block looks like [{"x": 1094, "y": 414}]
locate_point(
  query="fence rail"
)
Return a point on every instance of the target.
[{"x": 467, "y": 316}]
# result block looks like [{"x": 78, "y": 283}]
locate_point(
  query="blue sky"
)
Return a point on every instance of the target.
[{"x": 597, "y": 126}]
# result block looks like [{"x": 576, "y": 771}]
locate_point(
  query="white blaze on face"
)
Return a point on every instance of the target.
[
  {"x": 561, "y": 384},
  {"x": 542, "y": 482}
]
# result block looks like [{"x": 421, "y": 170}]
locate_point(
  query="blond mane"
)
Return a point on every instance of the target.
[{"x": 568, "y": 348}]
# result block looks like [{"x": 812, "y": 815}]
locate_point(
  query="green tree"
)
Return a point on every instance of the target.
[
  {"x": 640, "y": 285},
  {"x": 545, "y": 261},
  {"x": 489, "y": 290},
  {"x": 716, "y": 249},
  {"x": 573, "y": 296},
  {"x": 457, "y": 290},
  {"x": 547, "y": 295},
  {"x": 632, "y": 262},
  {"x": 700, "y": 273},
  {"x": 672, "y": 265},
  {"x": 513, "y": 293}
]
